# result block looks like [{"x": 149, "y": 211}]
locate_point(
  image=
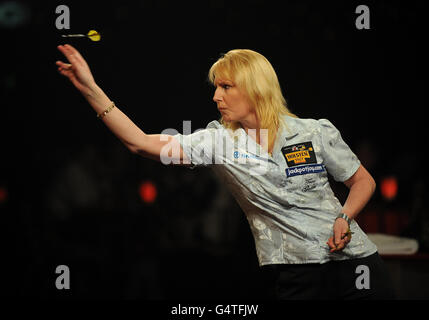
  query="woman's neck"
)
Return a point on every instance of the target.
[{"x": 251, "y": 122}]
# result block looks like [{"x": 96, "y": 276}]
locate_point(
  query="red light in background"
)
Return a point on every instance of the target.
[
  {"x": 3, "y": 195},
  {"x": 148, "y": 192},
  {"x": 389, "y": 188}
]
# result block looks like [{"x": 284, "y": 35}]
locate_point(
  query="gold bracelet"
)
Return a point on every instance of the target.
[{"x": 102, "y": 114}]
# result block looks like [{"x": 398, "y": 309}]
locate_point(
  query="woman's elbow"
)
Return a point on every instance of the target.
[
  {"x": 363, "y": 179},
  {"x": 132, "y": 148},
  {"x": 373, "y": 184},
  {"x": 137, "y": 150}
]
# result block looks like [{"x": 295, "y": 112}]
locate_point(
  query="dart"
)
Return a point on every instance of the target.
[
  {"x": 92, "y": 34},
  {"x": 348, "y": 233}
]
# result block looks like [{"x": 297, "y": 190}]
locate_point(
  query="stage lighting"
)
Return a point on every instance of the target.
[
  {"x": 148, "y": 192},
  {"x": 389, "y": 188}
]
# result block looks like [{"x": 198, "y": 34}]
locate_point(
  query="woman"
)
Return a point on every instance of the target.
[{"x": 276, "y": 166}]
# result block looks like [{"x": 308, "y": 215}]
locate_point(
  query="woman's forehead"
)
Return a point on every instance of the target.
[
  {"x": 222, "y": 73},
  {"x": 220, "y": 80}
]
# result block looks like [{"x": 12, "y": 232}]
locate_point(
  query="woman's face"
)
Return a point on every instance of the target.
[{"x": 232, "y": 103}]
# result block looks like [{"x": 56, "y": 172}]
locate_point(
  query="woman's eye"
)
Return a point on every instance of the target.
[{"x": 226, "y": 86}]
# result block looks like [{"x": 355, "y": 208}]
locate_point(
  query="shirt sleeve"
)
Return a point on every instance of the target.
[
  {"x": 199, "y": 146},
  {"x": 338, "y": 158}
]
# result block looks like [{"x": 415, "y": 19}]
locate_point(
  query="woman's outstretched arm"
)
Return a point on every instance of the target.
[{"x": 149, "y": 146}]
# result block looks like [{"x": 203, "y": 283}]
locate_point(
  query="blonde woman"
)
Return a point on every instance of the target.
[{"x": 276, "y": 165}]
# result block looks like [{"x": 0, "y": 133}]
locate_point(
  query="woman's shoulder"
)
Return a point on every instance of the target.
[
  {"x": 305, "y": 124},
  {"x": 300, "y": 124}
]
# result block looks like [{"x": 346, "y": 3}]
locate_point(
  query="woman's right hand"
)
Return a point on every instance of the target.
[{"x": 77, "y": 70}]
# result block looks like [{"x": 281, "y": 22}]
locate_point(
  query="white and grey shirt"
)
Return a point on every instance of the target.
[{"x": 286, "y": 196}]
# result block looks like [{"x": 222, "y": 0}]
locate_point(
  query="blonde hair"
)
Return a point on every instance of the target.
[{"x": 254, "y": 74}]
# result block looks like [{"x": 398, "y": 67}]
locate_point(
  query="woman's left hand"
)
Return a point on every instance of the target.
[{"x": 341, "y": 227}]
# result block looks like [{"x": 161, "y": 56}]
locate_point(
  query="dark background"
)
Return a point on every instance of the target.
[{"x": 71, "y": 189}]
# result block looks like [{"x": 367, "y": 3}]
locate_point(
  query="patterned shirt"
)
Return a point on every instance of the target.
[{"x": 286, "y": 195}]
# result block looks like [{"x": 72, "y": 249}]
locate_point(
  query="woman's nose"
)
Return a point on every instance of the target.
[{"x": 217, "y": 95}]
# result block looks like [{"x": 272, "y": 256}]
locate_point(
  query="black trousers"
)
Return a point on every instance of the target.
[{"x": 353, "y": 279}]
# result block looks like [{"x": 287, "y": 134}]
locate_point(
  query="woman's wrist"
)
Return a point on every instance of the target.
[
  {"x": 344, "y": 216},
  {"x": 92, "y": 91},
  {"x": 97, "y": 98}
]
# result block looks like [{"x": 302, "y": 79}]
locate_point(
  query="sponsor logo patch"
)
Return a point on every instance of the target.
[
  {"x": 306, "y": 169},
  {"x": 299, "y": 154}
]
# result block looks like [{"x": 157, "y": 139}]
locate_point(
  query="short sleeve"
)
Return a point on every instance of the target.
[
  {"x": 199, "y": 146},
  {"x": 338, "y": 158}
]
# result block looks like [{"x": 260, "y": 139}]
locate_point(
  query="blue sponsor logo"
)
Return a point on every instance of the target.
[
  {"x": 310, "y": 168},
  {"x": 242, "y": 155}
]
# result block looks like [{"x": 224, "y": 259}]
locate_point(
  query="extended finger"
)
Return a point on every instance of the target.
[
  {"x": 74, "y": 52},
  {"x": 64, "y": 51},
  {"x": 63, "y": 65},
  {"x": 68, "y": 54},
  {"x": 65, "y": 72}
]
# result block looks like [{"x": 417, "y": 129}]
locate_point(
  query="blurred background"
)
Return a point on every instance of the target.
[{"x": 72, "y": 194}]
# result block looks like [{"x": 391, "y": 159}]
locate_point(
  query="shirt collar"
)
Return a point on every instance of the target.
[{"x": 288, "y": 132}]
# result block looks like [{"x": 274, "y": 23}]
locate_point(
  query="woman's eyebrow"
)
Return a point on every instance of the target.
[{"x": 221, "y": 82}]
